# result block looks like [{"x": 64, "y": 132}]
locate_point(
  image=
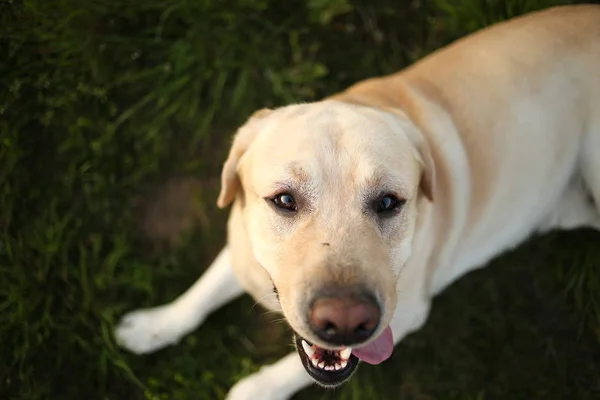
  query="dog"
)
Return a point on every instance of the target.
[{"x": 351, "y": 213}]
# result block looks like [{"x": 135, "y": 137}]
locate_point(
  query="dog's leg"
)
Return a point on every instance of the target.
[
  {"x": 147, "y": 330},
  {"x": 278, "y": 381},
  {"x": 575, "y": 209}
]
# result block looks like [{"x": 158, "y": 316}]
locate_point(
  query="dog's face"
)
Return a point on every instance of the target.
[{"x": 329, "y": 194}]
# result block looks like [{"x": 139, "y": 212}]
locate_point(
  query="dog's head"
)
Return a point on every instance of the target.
[{"x": 329, "y": 195}]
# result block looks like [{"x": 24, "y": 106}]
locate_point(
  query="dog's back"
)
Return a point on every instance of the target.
[{"x": 521, "y": 104}]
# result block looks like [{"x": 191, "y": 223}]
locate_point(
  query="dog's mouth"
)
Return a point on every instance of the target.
[
  {"x": 333, "y": 367},
  {"x": 328, "y": 367}
]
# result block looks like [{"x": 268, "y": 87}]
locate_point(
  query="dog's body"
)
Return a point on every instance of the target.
[{"x": 500, "y": 139}]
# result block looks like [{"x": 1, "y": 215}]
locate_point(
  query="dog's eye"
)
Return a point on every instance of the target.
[
  {"x": 285, "y": 201},
  {"x": 388, "y": 203}
]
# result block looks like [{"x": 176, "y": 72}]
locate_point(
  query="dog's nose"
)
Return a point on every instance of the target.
[{"x": 344, "y": 320}]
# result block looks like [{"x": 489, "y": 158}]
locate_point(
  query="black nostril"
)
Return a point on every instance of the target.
[
  {"x": 330, "y": 330},
  {"x": 362, "y": 331}
]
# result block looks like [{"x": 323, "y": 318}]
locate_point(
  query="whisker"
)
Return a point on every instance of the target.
[
  {"x": 259, "y": 300},
  {"x": 269, "y": 312}
]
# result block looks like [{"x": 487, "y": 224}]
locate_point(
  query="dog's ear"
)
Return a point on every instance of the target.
[
  {"x": 422, "y": 150},
  {"x": 428, "y": 173},
  {"x": 243, "y": 139}
]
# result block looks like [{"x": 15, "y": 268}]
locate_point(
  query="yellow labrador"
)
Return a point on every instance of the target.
[{"x": 358, "y": 209}]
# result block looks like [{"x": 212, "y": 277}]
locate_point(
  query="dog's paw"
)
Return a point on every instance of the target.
[
  {"x": 148, "y": 330},
  {"x": 254, "y": 387}
]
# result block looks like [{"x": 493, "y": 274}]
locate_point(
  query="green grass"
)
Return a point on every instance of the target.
[{"x": 105, "y": 106}]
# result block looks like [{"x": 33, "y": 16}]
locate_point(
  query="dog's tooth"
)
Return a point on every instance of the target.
[
  {"x": 344, "y": 363},
  {"x": 315, "y": 362},
  {"x": 338, "y": 366},
  {"x": 307, "y": 349},
  {"x": 329, "y": 368},
  {"x": 345, "y": 354},
  {"x": 321, "y": 365}
]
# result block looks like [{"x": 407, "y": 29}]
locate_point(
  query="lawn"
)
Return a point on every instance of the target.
[{"x": 115, "y": 117}]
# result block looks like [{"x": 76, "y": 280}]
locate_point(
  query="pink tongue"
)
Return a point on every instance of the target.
[{"x": 379, "y": 350}]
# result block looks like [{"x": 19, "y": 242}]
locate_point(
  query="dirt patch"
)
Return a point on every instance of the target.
[{"x": 173, "y": 209}]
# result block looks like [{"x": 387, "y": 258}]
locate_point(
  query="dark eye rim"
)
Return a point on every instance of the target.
[
  {"x": 273, "y": 200},
  {"x": 397, "y": 203}
]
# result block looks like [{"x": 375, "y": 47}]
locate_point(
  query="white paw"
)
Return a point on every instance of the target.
[
  {"x": 256, "y": 386},
  {"x": 147, "y": 330}
]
